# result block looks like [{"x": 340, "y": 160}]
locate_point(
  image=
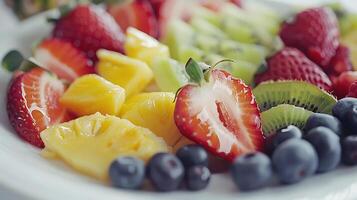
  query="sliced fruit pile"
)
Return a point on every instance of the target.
[{"x": 116, "y": 92}]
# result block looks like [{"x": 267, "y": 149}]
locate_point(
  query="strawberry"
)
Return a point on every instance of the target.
[
  {"x": 313, "y": 31},
  {"x": 220, "y": 113},
  {"x": 340, "y": 63},
  {"x": 63, "y": 59},
  {"x": 353, "y": 90},
  {"x": 33, "y": 104},
  {"x": 156, "y": 5},
  {"x": 136, "y": 13},
  {"x": 90, "y": 28},
  {"x": 342, "y": 83},
  {"x": 291, "y": 64}
]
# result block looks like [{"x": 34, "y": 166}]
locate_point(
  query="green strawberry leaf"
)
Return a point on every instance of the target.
[
  {"x": 12, "y": 60},
  {"x": 194, "y": 71}
]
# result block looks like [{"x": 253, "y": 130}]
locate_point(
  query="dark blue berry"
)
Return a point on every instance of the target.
[
  {"x": 349, "y": 150},
  {"x": 251, "y": 171},
  {"x": 282, "y": 135},
  {"x": 294, "y": 160},
  {"x": 342, "y": 106},
  {"x": 197, "y": 177},
  {"x": 127, "y": 172},
  {"x": 350, "y": 122},
  {"x": 165, "y": 171},
  {"x": 325, "y": 120},
  {"x": 191, "y": 155},
  {"x": 327, "y": 146}
]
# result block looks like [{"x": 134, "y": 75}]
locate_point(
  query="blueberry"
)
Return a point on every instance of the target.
[
  {"x": 165, "y": 171},
  {"x": 127, "y": 172},
  {"x": 342, "y": 106},
  {"x": 251, "y": 171},
  {"x": 327, "y": 146},
  {"x": 349, "y": 150},
  {"x": 294, "y": 160},
  {"x": 197, "y": 177},
  {"x": 191, "y": 155},
  {"x": 328, "y": 121},
  {"x": 284, "y": 134},
  {"x": 350, "y": 122}
]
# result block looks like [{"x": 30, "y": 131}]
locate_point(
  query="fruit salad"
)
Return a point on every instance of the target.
[{"x": 167, "y": 90}]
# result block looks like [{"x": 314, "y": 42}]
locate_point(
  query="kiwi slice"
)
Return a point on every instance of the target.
[
  {"x": 298, "y": 93},
  {"x": 283, "y": 115}
]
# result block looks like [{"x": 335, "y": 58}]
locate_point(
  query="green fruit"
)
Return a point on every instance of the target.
[
  {"x": 238, "y": 31},
  {"x": 204, "y": 27},
  {"x": 298, "y": 93},
  {"x": 283, "y": 115},
  {"x": 187, "y": 52},
  {"x": 179, "y": 35},
  {"x": 169, "y": 74},
  {"x": 207, "y": 15}
]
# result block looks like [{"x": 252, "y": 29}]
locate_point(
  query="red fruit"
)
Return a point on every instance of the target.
[
  {"x": 90, "y": 28},
  {"x": 342, "y": 84},
  {"x": 353, "y": 90},
  {"x": 221, "y": 115},
  {"x": 136, "y": 13},
  {"x": 315, "y": 32},
  {"x": 156, "y": 5},
  {"x": 237, "y": 2},
  {"x": 291, "y": 64},
  {"x": 63, "y": 59},
  {"x": 33, "y": 104},
  {"x": 340, "y": 63}
]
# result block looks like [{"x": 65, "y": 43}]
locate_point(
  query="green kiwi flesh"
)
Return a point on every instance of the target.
[
  {"x": 298, "y": 93},
  {"x": 283, "y": 115}
]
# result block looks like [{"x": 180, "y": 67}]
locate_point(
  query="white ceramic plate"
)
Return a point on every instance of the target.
[{"x": 24, "y": 172}]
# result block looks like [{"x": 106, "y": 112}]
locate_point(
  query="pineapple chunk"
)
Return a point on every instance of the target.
[
  {"x": 154, "y": 111},
  {"x": 131, "y": 74},
  {"x": 142, "y": 46},
  {"x": 90, "y": 143},
  {"x": 90, "y": 94}
]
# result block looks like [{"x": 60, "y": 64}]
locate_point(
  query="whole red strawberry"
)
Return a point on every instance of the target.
[
  {"x": 219, "y": 113},
  {"x": 33, "y": 104},
  {"x": 90, "y": 28},
  {"x": 340, "y": 63},
  {"x": 342, "y": 84},
  {"x": 291, "y": 64},
  {"x": 313, "y": 31},
  {"x": 353, "y": 90}
]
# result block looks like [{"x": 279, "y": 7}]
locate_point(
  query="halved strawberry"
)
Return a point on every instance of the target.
[
  {"x": 220, "y": 114},
  {"x": 33, "y": 104},
  {"x": 136, "y": 13},
  {"x": 63, "y": 59}
]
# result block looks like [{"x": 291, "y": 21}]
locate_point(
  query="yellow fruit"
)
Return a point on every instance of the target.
[
  {"x": 90, "y": 94},
  {"x": 90, "y": 143},
  {"x": 141, "y": 46},
  {"x": 131, "y": 74},
  {"x": 350, "y": 40},
  {"x": 154, "y": 111}
]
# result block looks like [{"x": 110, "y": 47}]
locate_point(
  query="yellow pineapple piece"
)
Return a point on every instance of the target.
[
  {"x": 154, "y": 111},
  {"x": 131, "y": 74},
  {"x": 90, "y": 143},
  {"x": 90, "y": 94},
  {"x": 142, "y": 46}
]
